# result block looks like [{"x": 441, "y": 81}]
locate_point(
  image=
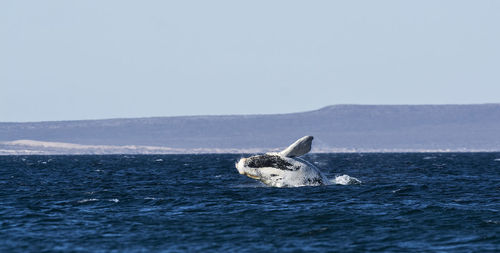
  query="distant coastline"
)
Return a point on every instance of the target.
[
  {"x": 337, "y": 129},
  {"x": 30, "y": 147}
]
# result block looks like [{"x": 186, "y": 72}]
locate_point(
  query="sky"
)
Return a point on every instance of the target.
[{"x": 94, "y": 59}]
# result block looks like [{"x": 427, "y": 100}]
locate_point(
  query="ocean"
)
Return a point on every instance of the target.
[{"x": 406, "y": 202}]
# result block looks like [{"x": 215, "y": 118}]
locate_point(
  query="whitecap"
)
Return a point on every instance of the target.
[
  {"x": 114, "y": 200},
  {"x": 497, "y": 160},
  {"x": 159, "y": 160},
  {"x": 345, "y": 180},
  {"x": 492, "y": 222},
  {"x": 87, "y": 200}
]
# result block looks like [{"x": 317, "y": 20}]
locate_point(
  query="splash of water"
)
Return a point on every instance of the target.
[{"x": 345, "y": 180}]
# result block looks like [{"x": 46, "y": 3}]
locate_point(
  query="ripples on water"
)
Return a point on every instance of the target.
[{"x": 407, "y": 202}]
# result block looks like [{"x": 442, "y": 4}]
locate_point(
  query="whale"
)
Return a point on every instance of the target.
[{"x": 285, "y": 168}]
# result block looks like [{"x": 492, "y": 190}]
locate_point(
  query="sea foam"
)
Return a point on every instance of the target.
[{"x": 345, "y": 180}]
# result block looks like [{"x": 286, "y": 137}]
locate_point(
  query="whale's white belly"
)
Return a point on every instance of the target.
[{"x": 284, "y": 172}]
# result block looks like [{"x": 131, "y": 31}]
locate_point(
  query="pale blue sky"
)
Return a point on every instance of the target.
[{"x": 64, "y": 60}]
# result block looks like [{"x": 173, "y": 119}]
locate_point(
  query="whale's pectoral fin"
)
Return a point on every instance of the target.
[{"x": 298, "y": 148}]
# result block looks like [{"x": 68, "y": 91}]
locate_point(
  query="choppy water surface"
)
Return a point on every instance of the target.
[{"x": 406, "y": 202}]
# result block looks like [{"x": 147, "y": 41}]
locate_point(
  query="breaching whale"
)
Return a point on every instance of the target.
[{"x": 284, "y": 169}]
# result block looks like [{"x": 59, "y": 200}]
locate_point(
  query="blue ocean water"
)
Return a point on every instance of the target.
[{"x": 443, "y": 202}]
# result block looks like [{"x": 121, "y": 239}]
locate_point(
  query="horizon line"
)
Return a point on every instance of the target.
[{"x": 238, "y": 114}]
